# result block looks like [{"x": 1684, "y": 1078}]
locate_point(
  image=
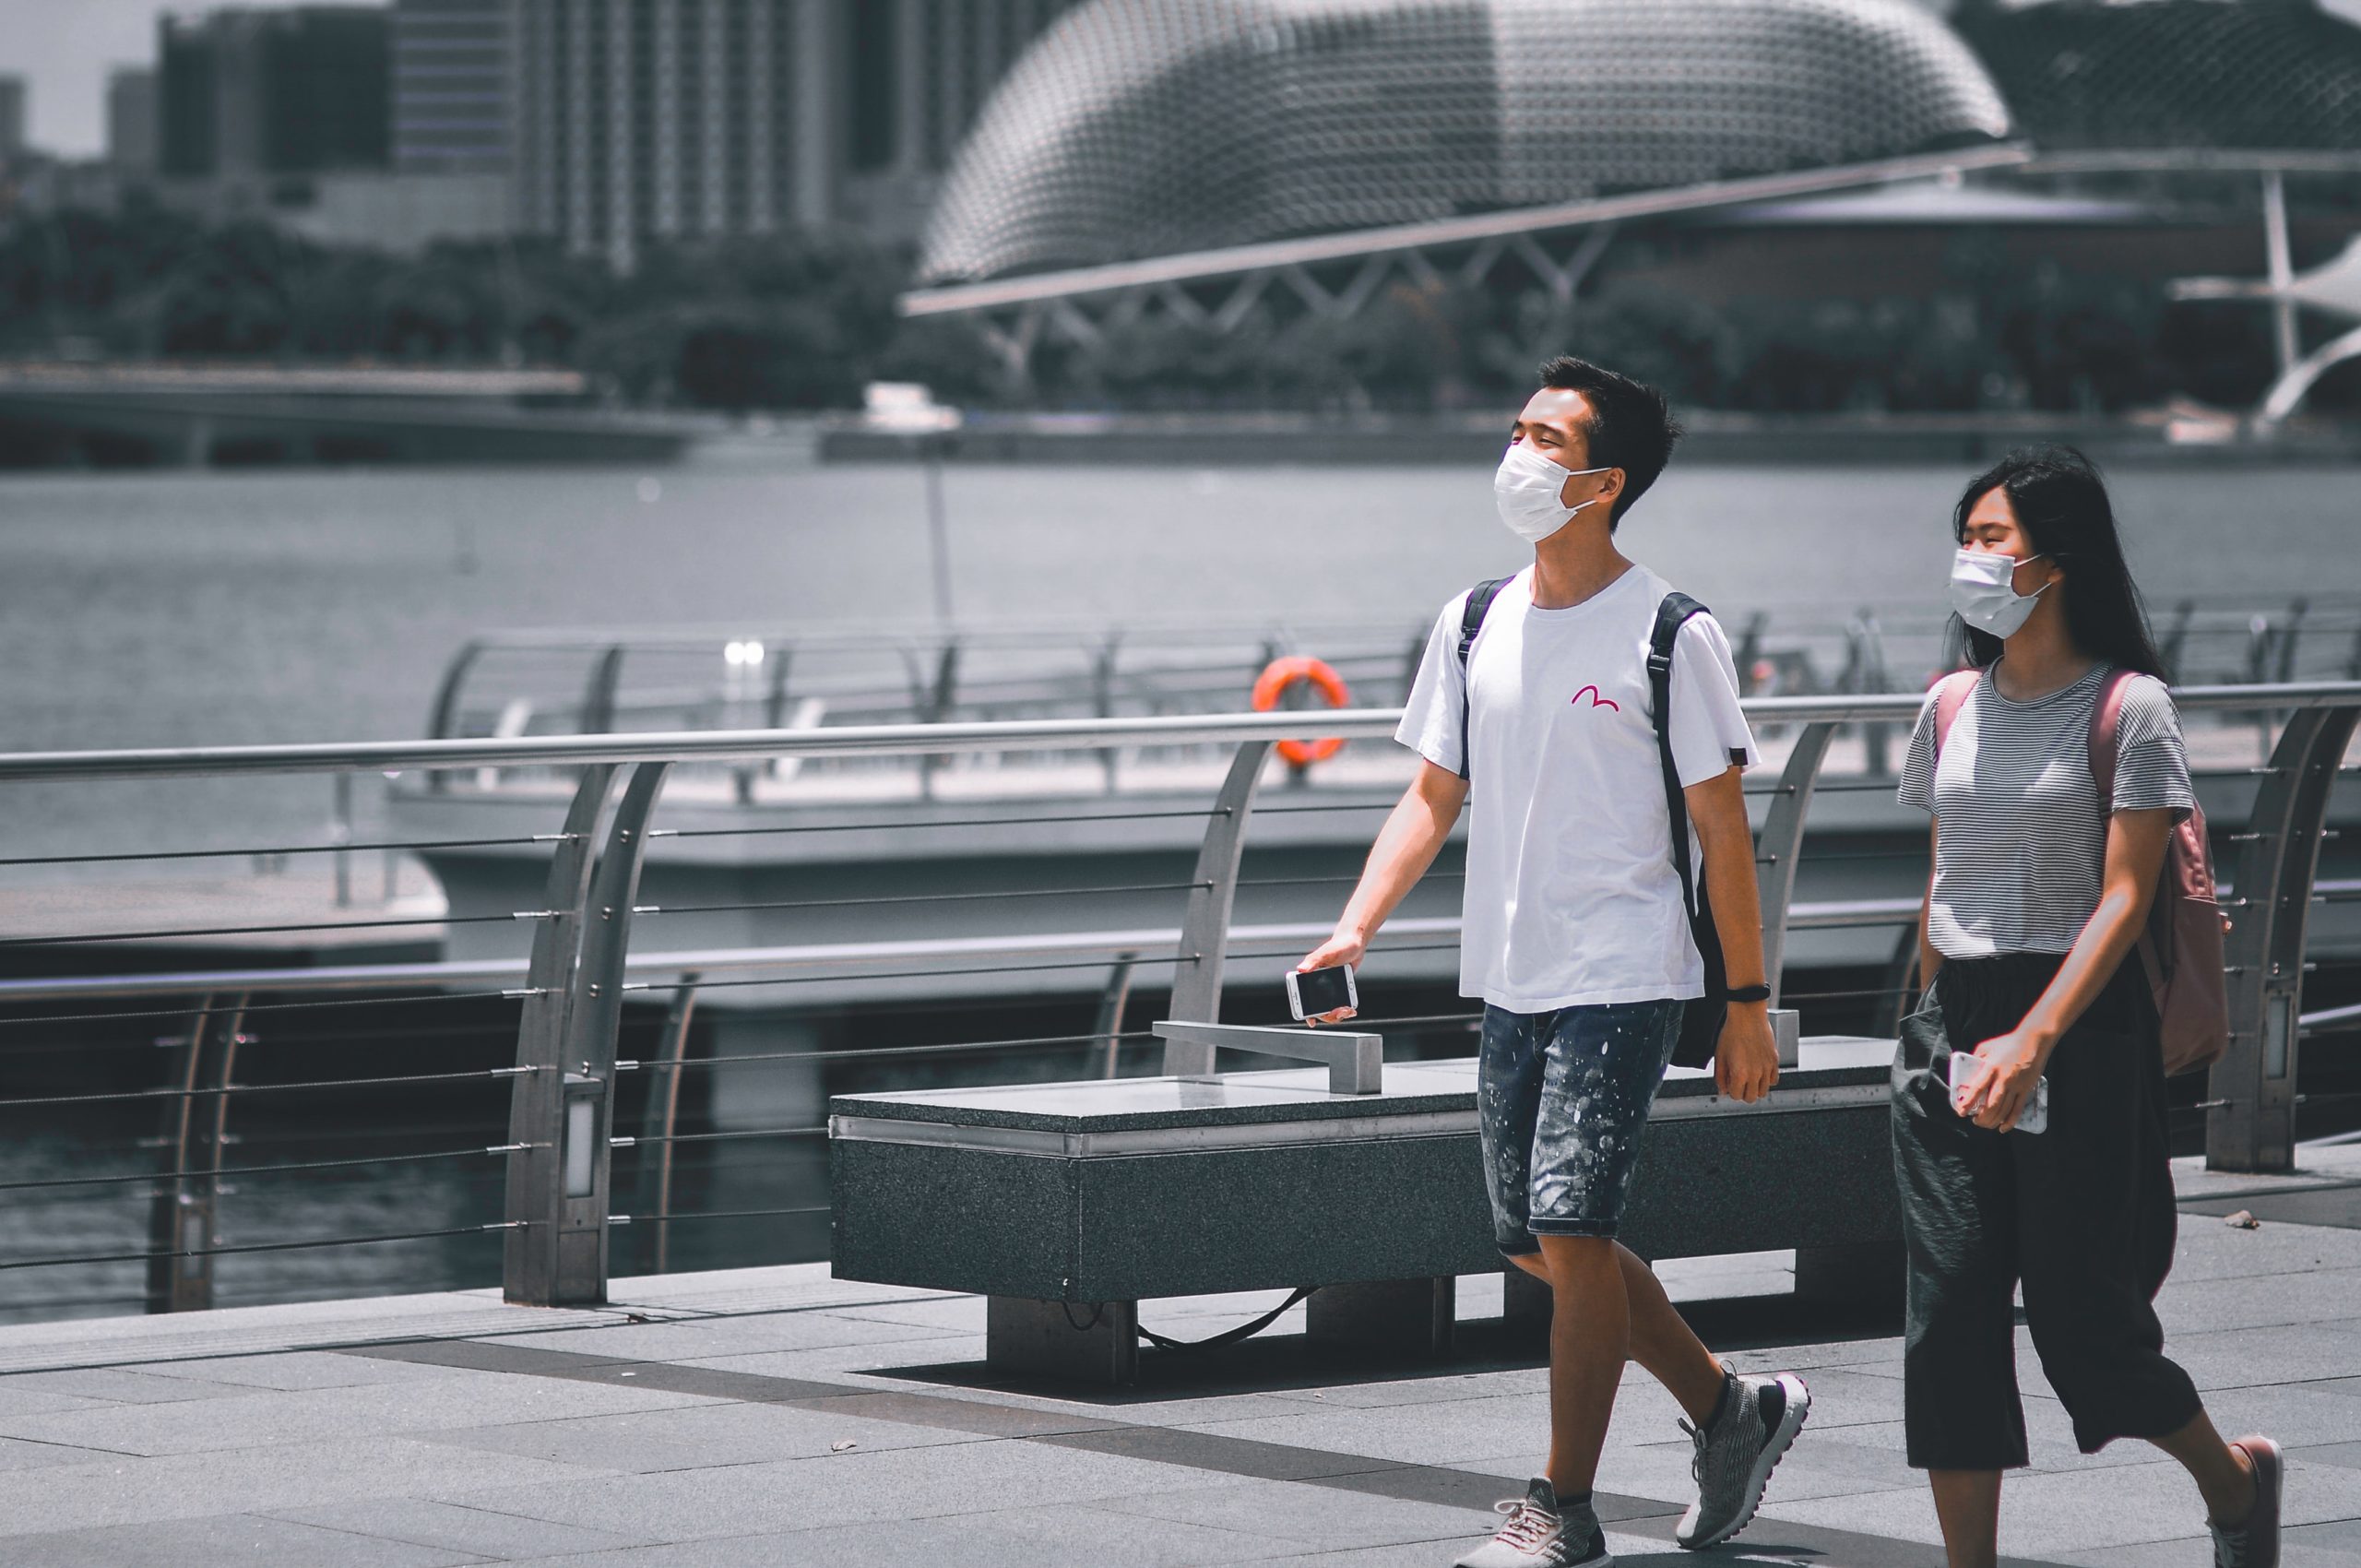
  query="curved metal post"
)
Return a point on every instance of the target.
[
  {"x": 1103, "y": 666},
  {"x": 1898, "y": 990},
  {"x": 2290, "y": 634},
  {"x": 1781, "y": 842},
  {"x": 537, "y": 1101},
  {"x": 664, "y": 1106},
  {"x": 1111, "y": 1003},
  {"x": 1204, "y": 930},
  {"x": 213, "y": 1131},
  {"x": 2288, "y": 391},
  {"x": 598, "y": 696},
  {"x": 774, "y": 717},
  {"x": 593, "y": 1015},
  {"x": 185, "y": 1221},
  {"x": 2176, "y": 639},
  {"x": 1750, "y": 648},
  {"x": 2251, "y": 1124},
  {"x": 934, "y": 704},
  {"x": 443, "y": 725},
  {"x": 165, "y": 1234}
]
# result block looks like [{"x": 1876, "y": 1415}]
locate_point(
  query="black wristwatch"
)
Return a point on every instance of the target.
[{"x": 1747, "y": 993}]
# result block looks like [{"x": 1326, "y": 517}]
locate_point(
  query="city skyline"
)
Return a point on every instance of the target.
[{"x": 64, "y": 49}]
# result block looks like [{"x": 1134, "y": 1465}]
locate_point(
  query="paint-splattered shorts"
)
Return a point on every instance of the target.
[{"x": 1560, "y": 1101}]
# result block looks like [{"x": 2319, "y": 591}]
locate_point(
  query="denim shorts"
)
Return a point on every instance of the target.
[{"x": 1561, "y": 1101}]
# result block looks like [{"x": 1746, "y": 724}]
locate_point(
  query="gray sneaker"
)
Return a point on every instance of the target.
[
  {"x": 1736, "y": 1453},
  {"x": 1541, "y": 1534},
  {"x": 2255, "y": 1543}
]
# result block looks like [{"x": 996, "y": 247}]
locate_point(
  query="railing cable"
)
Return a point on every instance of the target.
[
  {"x": 274, "y": 850},
  {"x": 903, "y": 826},
  {"x": 512, "y": 994},
  {"x": 872, "y": 1052},
  {"x": 485, "y": 1074},
  {"x": 259, "y": 1246},
  {"x": 268, "y": 1170},
  {"x": 270, "y": 930},
  {"x": 916, "y": 898}
]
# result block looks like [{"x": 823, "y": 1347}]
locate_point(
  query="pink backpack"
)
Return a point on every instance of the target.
[{"x": 2182, "y": 947}]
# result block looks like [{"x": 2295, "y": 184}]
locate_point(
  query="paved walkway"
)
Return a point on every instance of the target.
[{"x": 776, "y": 1417}]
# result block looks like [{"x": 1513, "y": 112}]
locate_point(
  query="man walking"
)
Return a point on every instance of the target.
[{"x": 1536, "y": 705}]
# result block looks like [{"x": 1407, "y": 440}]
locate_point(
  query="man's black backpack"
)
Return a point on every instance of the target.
[{"x": 1701, "y": 1022}]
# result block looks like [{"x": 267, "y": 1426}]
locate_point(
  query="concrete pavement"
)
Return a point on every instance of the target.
[{"x": 777, "y": 1416}]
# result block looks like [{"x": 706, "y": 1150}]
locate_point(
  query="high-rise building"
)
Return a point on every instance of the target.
[
  {"x": 255, "y": 92},
  {"x": 451, "y": 86},
  {"x": 13, "y": 94},
  {"x": 640, "y": 120},
  {"x": 131, "y": 121}
]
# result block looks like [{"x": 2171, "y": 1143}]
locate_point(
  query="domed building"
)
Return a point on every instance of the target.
[
  {"x": 2271, "y": 74},
  {"x": 1139, "y": 128}
]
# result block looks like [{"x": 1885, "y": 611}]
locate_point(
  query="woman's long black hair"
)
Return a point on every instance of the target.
[{"x": 2063, "y": 508}]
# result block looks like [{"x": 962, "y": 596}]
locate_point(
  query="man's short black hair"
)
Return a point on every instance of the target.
[{"x": 1630, "y": 425}]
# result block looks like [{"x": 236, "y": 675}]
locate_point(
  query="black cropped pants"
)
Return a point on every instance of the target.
[{"x": 2081, "y": 1214}]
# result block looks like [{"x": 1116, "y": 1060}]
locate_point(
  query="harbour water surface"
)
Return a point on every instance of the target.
[
  {"x": 179, "y": 608},
  {"x": 146, "y": 610}
]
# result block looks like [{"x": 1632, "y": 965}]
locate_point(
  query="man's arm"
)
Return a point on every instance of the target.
[
  {"x": 1406, "y": 846},
  {"x": 1747, "y": 1062}
]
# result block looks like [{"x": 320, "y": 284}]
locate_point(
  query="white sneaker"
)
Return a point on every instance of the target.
[
  {"x": 1542, "y": 1534},
  {"x": 1736, "y": 1453}
]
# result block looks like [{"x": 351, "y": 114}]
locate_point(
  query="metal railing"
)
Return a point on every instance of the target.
[
  {"x": 791, "y": 677},
  {"x": 558, "y": 1210}
]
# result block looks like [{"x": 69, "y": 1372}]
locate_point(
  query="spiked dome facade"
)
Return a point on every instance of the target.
[{"x": 1145, "y": 127}]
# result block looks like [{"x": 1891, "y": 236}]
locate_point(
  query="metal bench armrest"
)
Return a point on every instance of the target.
[{"x": 1356, "y": 1062}]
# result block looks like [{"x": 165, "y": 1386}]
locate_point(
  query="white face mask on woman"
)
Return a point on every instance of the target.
[
  {"x": 1526, "y": 488},
  {"x": 1984, "y": 591}
]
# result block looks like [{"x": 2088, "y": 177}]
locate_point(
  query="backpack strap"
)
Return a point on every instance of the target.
[
  {"x": 1951, "y": 694},
  {"x": 1471, "y": 620},
  {"x": 1671, "y": 615},
  {"x": 2106, "y": 724},
  {"x": 2107, "y": 718}
]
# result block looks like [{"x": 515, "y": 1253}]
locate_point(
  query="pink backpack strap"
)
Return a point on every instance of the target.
[
  {"x": 2106, "y": 723},
  {"x": 1951, "y": 694},
  {"x": 2106, "y": 716}
]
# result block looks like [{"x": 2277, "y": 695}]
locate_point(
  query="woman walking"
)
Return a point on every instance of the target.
[{"x": 2040, "y": 891}]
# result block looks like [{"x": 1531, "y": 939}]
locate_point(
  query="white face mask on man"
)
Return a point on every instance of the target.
[
  {"x": 1984, "y": 593},
  {"x": 1526, "y": 488}
]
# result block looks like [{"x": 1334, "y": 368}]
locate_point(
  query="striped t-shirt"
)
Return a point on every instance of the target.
[{"x": 2020, "y": 842}]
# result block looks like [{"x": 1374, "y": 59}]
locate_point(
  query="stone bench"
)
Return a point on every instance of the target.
[{"x": 1068, "y": 1204}]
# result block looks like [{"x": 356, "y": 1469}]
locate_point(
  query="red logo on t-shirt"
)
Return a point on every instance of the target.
[{"x": 1596, "y": 700}]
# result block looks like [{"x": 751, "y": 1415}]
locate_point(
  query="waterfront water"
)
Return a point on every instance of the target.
[
  {"x": 211, "y": 608},
  {"x": 164, "y": 608}
]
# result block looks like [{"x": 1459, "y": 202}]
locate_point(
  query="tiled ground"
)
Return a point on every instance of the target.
[{"x": 776, "y": 1417}]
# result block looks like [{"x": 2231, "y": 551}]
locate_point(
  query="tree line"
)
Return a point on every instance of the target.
[{"x": 803, "y": 321}]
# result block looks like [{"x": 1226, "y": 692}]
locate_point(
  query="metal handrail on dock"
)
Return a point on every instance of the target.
[
  {"x": 557, "y": 1212},
  {"x": 589, "y": 680},
  {"x": 949, "y": 739}
]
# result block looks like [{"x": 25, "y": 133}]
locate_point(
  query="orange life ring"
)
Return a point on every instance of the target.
[{"x": 1281, "y": 673}]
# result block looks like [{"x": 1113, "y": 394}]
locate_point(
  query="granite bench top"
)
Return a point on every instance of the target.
[{"x": 1301, "y": 1094}]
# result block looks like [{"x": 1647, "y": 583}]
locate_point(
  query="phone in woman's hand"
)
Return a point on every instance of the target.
[{"x": 2035, "y": 1116}]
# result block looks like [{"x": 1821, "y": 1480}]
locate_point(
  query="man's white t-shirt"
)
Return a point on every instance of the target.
[{"x": 1572, "y": 897}]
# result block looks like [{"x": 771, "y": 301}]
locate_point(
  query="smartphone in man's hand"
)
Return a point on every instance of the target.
[{"x": 1312, "y": 993}]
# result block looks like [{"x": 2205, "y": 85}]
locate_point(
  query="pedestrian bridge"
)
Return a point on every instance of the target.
[
  {"x": 596, "y": 1406},
  {"x": 776, "y": 1416},
  {"x": 575, "y": 1146}
]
